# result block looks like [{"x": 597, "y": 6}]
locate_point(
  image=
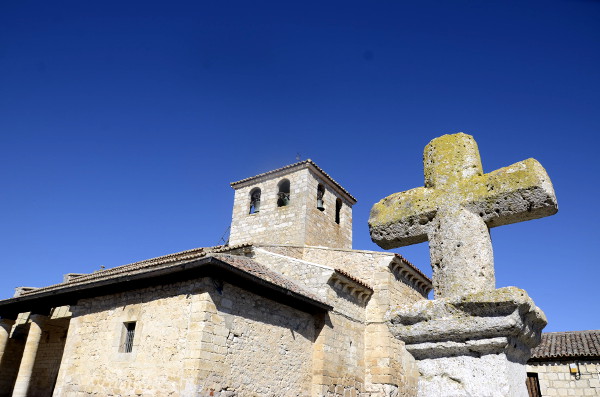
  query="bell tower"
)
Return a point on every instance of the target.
[{"x": 298, "y": 204}]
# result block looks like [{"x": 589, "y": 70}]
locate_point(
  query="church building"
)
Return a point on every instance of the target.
[{"x": 286, "y": 308}]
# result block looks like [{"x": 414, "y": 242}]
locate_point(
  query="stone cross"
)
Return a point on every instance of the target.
[{"x": 456, "y": 208}]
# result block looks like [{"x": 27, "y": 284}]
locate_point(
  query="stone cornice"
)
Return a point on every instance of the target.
[
  {"x": 407, "y": 272},
  {"x": 344, "y": 282}
]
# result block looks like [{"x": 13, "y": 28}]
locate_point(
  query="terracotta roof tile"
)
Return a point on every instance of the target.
[
  {"x": 244, "y": 264},
  {"x": 126, "y": 269},
  {"x": 416, "y": 269},
  {"x": 351, "y": 277},
  {"x": 251, "y": 266},
  {"x": 568, "y": 345},
  {"x": 136, "y": 267},
  {"x": 299, "y": 164}
]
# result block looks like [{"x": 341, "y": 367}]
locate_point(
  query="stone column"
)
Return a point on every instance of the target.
[
  {"x": 5, "y": 327},
  {"x": 29, "y": 353}
]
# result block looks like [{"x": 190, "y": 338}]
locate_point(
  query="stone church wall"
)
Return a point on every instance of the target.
[
  {"x": 298, "y": 223},
  {"x": 339, "y": 357},
  {"x": 12, "y": 357},
  {"x": 384, "y": 366},
  {"x": 321, "y": 227},
  {"x": 368, "y": 266},
  {"x": 48, "y": 356},
  {"x": 267, "y": 347},
  {"x": 192, "y": 338},
  {"x": 273, "y": 224},
  {"x": 389, "y": 368},
  {"x": 311, "y": 276},
  {"x": 555, "y": 379}
]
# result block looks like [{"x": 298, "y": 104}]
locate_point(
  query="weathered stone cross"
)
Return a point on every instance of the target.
[{"x": 456, "y": 208}]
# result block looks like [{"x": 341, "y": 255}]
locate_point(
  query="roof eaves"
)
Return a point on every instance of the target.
[
  {"x": 413, "y": 267},
  {"x": 131, "y": 267},
  {"x": 567, "y": 345},
  {"x": 354, "y": 279},
  {"x": 69, "y": 293},
  {"x": 305, "y": 163}
]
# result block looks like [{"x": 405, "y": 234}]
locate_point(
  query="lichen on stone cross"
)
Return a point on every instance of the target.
[{"x": 456, "y": 208}]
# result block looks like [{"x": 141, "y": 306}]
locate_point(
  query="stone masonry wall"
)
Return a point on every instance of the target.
[
  {"x": 311, "y": 276},
  {"x": 555, "y": 379},
  {"x": 190, "y": 340},
  {"x": 340, "y": 344},
  {"x": 273, "y": 224},
  {"x": 321, "y": 227},
  {"x": 48, "y": 357},
  {"x": 298, "y": 223},
  {"x": 267, "y": 347},
  {"x": 12, "y": 356},
  {"x": 388, "y": 368}
]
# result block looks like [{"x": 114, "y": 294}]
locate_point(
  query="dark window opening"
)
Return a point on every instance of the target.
[
  {"x": 127, "y": 338},
  {"x": 254, "y": 200},
  {"x": 320, "y": 194},
  {"x": 533, "y": 385},
  {"x": 338, "y": 210},
  {"x": 283, "y": 194}
]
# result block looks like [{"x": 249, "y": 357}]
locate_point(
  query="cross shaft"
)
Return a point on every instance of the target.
[{"x": 456, "y": 208}]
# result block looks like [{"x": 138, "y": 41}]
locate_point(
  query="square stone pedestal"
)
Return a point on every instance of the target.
[{"x": 472, "y": 345}]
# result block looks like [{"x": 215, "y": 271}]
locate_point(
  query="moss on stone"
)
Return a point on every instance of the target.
[{"x": 485, "y": 190}]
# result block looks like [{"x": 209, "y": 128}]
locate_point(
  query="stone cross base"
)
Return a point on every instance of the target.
[{"x": 474, "y": 345}]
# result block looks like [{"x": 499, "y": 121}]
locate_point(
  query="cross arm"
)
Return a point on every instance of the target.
[
  {"x": 519, "y": 192},
  {"x": 402, "y": 218}
]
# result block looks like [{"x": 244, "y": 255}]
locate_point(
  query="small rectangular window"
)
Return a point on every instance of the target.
[
  {"x": 533, "y": 385},
  {"x": 127, "y": 337}
]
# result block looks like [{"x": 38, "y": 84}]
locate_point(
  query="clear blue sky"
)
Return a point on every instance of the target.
[{"x": 122, "y": 123}]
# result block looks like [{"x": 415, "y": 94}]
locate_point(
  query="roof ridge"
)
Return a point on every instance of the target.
[
  {"x": 160, "y": 260},
  {"x": 298, "y": 164},
  {"x": 565, "y": 344}
]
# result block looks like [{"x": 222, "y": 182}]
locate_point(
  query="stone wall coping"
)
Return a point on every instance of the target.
[
  {"x": 349, "y": 250},
  {"x": 289, "y": 258},
  {"x": 23, "y": 290}
]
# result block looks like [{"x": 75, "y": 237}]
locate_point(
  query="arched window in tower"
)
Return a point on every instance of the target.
[
  {"x": 254, "y": 200},
  {"x": 320, "y": 194},
  {"x": 338, "y": 210},
  {"x": 283, "y": 194}
]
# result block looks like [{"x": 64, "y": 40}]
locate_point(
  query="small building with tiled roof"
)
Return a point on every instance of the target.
[
  {"x": 285, "y": 308},
  {"x": 565, "y": 364}
]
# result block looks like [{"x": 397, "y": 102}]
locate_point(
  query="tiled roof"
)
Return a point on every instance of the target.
[
  {"x": 136, "y": 267},
  {"x": 131, "y": 268},
  {"x": 299, "y": 164},
  {"x": 416, "y": 269},
  {"x": 241, "y": 264},
  {"x": 351, "y": 277},
  {"x": 256, "y": 269},
  {"x": 568, "y": 345}
]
